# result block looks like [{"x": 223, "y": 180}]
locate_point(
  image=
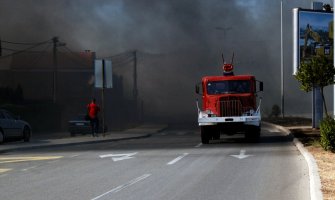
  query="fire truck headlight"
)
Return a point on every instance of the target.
[
  {"x": 203, "y": 114},
  {"x": 210, "y": 113},
  {"x": 207, "y": 113}
]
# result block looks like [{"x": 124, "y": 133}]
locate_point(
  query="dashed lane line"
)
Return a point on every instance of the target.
[
  {"x": 177, "y": 159},
  {"x": 27, "y": 158},
  {"x": 121, "y": 187},
  {"x": 4, "y": 170}
]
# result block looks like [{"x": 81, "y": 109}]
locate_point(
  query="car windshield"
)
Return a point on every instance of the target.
[{"x": 228, "y": 87}]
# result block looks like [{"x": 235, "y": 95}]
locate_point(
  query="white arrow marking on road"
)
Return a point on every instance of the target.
[
  {"x": 241, "y": 155},
  {"x": 119, "y": 157}
]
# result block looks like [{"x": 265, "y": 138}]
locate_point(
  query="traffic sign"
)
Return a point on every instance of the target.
[{"x": 103, "y": 73}]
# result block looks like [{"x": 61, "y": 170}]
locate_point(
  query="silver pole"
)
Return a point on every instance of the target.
[{"x": 281, "y": 58}]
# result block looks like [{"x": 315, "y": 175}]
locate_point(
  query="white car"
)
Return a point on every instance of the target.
[{"x": 13, "y": 128}]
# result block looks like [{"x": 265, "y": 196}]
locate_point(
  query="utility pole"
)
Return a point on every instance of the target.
[
  {"x": 135, "y": 75},
  {"x": 281, "y": 59},
  {"x": 55, "y": 66},
  {"x": 135, "y": 90},
  {"x": 56, "y": 44},
  {"x": 103, "y": 96},
  {"x": 0, "y": 48}
]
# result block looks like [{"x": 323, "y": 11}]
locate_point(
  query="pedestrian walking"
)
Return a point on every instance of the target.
[{"x": 92, "y": 111}]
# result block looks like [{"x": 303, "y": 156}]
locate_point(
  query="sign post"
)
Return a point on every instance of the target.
[{"x": 103, "y": 80}]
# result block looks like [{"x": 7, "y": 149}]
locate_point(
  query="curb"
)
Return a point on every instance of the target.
[
  {"x": 314, "y": 177},
  {"x": 75, "y": 143}
]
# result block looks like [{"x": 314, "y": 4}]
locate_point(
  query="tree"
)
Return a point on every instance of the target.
[{"x": 319, "y": 72}]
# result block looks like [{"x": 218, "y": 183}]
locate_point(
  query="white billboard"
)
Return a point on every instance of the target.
[{"x": 312, "y": 35}]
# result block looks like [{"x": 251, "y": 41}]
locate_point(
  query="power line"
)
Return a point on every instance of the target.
[
  {"x": 8, "y": 49},
  {"x": 24, "y": 43},
  {"x": 123, "y": 54},
  {"x": 23, "y": 50},
  {"x": 41, "y": 54},
  {"x": 123, "y": 62}
]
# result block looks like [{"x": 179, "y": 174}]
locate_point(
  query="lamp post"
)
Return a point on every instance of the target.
[{"x": 281, "y": 59}]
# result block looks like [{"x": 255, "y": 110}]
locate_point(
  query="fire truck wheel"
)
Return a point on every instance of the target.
[
  {"x": 204, "y": 135},
  {"x": 253, "y": 134},
  {"x": 216, "y": 133}
]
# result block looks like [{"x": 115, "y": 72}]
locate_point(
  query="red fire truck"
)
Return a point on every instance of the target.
[{"x": 229, "y": 105}]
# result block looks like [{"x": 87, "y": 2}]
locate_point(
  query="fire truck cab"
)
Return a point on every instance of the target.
[{"x": 229, "y": 105}]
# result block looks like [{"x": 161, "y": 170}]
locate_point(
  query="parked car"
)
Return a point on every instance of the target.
[
  {"x": 11, "y": 127},
  {"x": 82, "y": 125}
]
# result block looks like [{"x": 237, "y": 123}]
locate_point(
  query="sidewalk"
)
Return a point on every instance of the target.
[{"x": 64, "y": 138}]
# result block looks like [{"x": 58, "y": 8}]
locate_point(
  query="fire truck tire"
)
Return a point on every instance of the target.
[
  {"x": 205, "y": 134},
  {"x": 253, "y": 134},
  {"x": 216, "y": 133}
]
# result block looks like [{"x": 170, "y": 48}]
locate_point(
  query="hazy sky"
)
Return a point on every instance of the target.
[{"x": 192, "y": 33}]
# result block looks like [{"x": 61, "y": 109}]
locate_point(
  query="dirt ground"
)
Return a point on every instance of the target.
[{"x": 310, "y": 138}]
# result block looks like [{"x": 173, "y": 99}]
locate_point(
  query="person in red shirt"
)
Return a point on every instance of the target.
[{"x": 93, "y": 110}]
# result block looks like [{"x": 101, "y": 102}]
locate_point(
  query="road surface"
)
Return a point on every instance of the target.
[{"x": 172, "y": 164}]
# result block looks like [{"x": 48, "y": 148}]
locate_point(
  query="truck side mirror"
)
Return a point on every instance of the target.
[
  {"x": 261, "y": 86},
  {"x": 197, "y": 89}
]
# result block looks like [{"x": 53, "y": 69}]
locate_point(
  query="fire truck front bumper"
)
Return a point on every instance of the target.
[{"x": 247, "y": 120}]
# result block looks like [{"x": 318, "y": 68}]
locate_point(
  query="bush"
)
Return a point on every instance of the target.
[{"x": 327, "y": 133}]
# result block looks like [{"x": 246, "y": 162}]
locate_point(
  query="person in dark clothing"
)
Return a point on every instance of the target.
[{"x": 93, "y": 109}]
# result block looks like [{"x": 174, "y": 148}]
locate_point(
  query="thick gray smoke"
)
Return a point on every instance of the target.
[{"x": 179, "y": 42}]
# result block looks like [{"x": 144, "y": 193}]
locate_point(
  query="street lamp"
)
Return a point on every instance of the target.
[{"x": 281, "y": 59}]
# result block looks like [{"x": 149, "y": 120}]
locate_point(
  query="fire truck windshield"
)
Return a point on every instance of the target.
[{"x": 228, "y": 87}]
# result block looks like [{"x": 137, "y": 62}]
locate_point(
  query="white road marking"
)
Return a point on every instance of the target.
[
  {"x": 74, "y": 156},
  {"x": 241, "y": 155},
  {"x": 29, "y": 168},
  {"x": 177, "y": 159},
  {"x": 4, "y": 170},
  {"x": 271, "y": 130},
  {"x": 119, "y": 157},
  {"x": 198, "y": 145},
  {"x": 121, "y": 187}
]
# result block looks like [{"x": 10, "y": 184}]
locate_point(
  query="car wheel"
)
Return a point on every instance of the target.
[
  {"x": 26, "y": 134},
  {"x": 1, "y": 137}
]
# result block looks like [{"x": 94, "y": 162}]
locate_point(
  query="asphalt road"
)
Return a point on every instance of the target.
[{"x": 172, "y": 164}]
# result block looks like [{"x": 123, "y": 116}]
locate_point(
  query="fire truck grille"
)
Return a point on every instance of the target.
[{"x": 231, "y": 108}]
